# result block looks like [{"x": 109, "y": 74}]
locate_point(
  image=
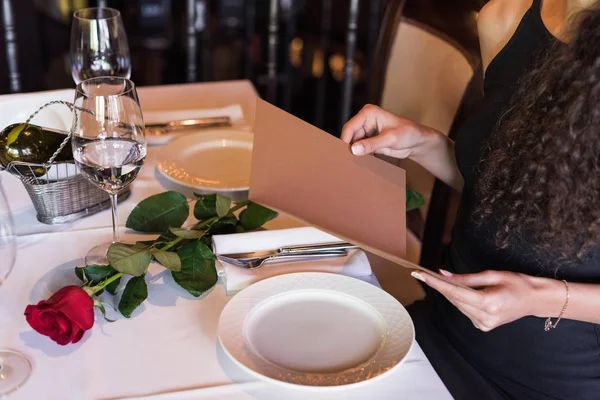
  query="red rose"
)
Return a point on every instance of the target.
[{"x": 64, "y": 317}]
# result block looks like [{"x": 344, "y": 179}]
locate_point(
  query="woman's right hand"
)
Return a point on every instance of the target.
[{"x": 375, "y": 130}]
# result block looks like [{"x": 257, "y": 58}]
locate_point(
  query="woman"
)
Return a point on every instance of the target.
[{"x": 526, "y": 240}]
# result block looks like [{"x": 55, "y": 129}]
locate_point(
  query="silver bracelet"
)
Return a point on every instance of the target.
[{"x": 548, "y": 325}]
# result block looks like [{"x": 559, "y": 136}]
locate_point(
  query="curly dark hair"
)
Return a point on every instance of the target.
[{"x": 540, "y": 178}]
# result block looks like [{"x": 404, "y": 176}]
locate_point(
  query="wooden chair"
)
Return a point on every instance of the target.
[{"x": 420, "y": 74}]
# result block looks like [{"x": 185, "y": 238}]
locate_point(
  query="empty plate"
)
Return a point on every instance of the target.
[
  {"x": 209, "y": 161},
  {"x": 315, "y": 329}
]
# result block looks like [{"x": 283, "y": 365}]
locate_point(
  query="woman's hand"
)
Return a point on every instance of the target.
[
  {"x": 492, "y": 298},
  {"x": 375, "y": 130}
]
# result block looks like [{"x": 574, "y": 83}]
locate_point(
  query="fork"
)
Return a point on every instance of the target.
[{"x": 257, "y": 262}]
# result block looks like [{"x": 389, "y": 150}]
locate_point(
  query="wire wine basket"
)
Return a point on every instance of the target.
[{"x": 57, "y": 189}]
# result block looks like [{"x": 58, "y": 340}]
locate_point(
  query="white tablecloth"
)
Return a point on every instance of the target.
[{"x": 168, "y": 349}]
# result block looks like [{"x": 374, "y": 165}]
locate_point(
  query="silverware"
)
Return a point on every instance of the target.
[
  {"x": 160, "y": 129},
  {"x": 256, "y": 259},
  {"x": 312, "y": 248},
  {"x": 253, "y": 263}
]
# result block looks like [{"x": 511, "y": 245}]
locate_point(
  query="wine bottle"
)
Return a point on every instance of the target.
[{"x": 31, "y": 144}]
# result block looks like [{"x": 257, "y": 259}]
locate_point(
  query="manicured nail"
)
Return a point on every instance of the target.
[
  {"x": 446, "y": 273},
  {"x": 357, "y": 149},
  {"x": 418, "y": 276}
]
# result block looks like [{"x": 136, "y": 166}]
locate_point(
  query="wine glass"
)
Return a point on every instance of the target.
[
  {"x": 108, "y": 141},
  {"x": 99, "y": 45},
  {"x": 15, "y": 368}
]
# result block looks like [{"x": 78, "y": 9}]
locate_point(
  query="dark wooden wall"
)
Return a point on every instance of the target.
[{"x": 235, "y": 44}]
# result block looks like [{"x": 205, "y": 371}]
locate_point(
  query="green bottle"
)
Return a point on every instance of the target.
[{"x": 32, "y": 144}]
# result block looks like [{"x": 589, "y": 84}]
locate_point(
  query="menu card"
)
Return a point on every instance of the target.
[{"x": 303, "y": 171}]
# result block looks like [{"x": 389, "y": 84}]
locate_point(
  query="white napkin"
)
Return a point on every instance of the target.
[
  {"x": 355, "y": 264},
  {"x": 60, "y": 171},
  {"x": 234, "y": 112}
]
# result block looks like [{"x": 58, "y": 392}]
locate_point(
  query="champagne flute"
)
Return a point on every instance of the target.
[
  {"x": 15, "y": 368},
  {"x": 108, "y": 141},
  {"x": 99, "y": 45}
]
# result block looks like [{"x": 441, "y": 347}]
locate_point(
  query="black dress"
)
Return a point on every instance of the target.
[{"x": 517, "y": 360}]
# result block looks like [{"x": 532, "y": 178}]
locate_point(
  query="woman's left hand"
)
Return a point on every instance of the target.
[{"x": 489, "y": 298}]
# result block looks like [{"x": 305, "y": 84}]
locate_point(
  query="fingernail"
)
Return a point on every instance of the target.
[
  {"x": 446, "y": 273},
  {"x": 357, "y": 149},
  {"x": 418, "y": 276}
]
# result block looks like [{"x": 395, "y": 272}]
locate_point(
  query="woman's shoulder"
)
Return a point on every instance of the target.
[{"x": 497, "y": 22}]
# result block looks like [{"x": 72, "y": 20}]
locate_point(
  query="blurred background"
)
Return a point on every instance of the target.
[{"x": 294, "y": 51}]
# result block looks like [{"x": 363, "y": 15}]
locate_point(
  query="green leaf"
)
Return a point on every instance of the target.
[
  {"x": 413, "y": 200},
  {"x": 168, "y": 259},
  {"x": 112, "y": 287},
  {"x": 92, "y": 275},
  {"x": 224, "y": 226},
  {"x": 81, "y": 275},
  {"x": 95, "y": 273},
  {"x": 206, "y": 207},
  {"x": 186, "y": 234},
  {"x": 198, "y": 273},
  {"x": 207, "y": 240},
  {"x": 128, "y": 259},
  {"x": 100, "y": 306},
  {"x": 136, "y": 291},
  {"x": 164, "y": 237},
  {"x": 159, "y": 212},
  {"x": 223, "y": 205},
  {"x": 255, "y": 216},
  {"x": 139, "y": 246}
]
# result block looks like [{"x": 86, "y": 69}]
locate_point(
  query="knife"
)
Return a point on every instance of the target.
[
  {"x": 163, "y": 128},
  {"x": 304, "y": 249},
  {"x": 158, "y": 129}
]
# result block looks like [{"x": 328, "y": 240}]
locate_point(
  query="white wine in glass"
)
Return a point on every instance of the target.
[
  {"x": 108, "y": 141},
  {"x": 15, "y": 368}
]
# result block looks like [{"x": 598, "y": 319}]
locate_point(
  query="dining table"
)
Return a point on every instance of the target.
[{"x": 168, "y": 348}]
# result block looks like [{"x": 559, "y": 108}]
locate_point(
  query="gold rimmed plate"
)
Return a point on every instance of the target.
[{"x": 209, "y": 161}]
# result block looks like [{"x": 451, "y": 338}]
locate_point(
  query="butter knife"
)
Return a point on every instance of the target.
[{"x": 159, "y": 129}]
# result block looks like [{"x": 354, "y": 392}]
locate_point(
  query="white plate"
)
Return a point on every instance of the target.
[
  {"x": 209, "y": 161},
  {"x": 315, "y": 329}
]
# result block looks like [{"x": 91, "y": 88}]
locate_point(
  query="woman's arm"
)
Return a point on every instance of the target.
[
  {"x": 374, "y": 130},
  {"x": 438, "y": 157},
  {"x": 493, "y": 298},
  {"x": 584, "y": 300}
]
